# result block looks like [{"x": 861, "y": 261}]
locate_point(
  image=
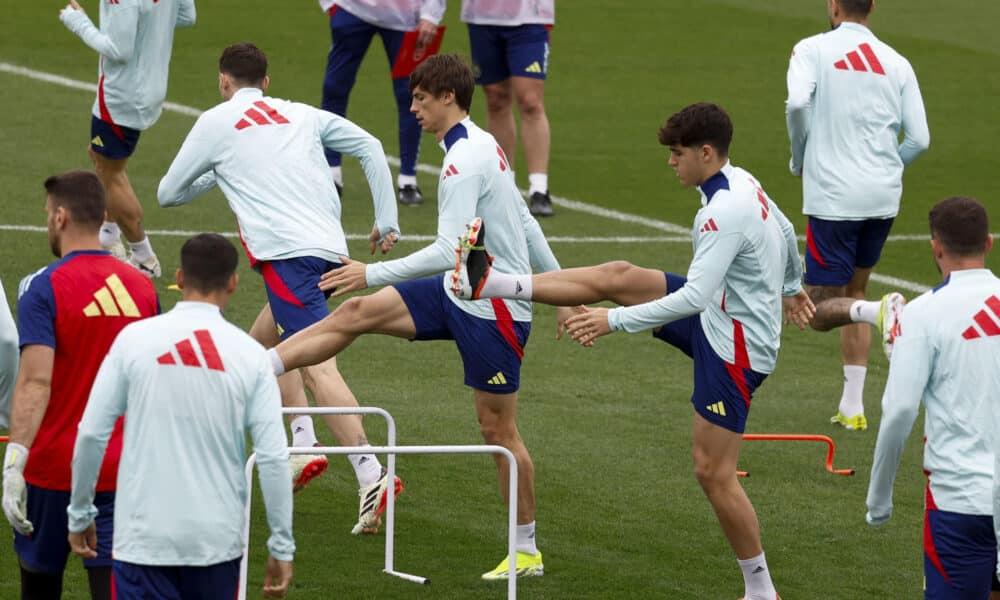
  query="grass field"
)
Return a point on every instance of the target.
[{"x": 619, "y": 512}]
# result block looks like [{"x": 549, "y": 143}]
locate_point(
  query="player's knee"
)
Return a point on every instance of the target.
[
  {"x": 498, "y": 99},
  {"x": 531, "y": 106},
  {"x": 353, "y": 316}
]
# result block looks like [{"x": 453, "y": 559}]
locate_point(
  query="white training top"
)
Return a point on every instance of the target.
[
  {"x": 947, "y": 356},
  {"x": 745, "y": 259},
  {"x": 509, "y": 13},
  {"x": 135, "y": 41},
  {"x": 476, "y": 181},
  {"x": 849, "y": 95},
  {"x": 191, "y": 386},
  {"x": 267, "y": 156},
  {"x": 401, "y": 15}
]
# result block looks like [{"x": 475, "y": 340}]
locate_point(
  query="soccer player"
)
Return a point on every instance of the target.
[
  {"x": 509, "y": 41},
  {"x": 68, "y": 315},
  {"x": 725, "y": 315},
  {"x": 134, "y": 42},
  {"x": 191, "y": 387},
  {"x": 267, "y": 156},
  {"x": 8, "y": 358},
  {"x": 353, "y": 23},
  {"x": 947, "y": 357},
  {"x": 849, "y": 95},
  {"x": 476, "y": 179}
]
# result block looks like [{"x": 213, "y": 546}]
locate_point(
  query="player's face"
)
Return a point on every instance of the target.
[
  {"x": 686, "y": 162},
  {"x": 431, "y": 111}
]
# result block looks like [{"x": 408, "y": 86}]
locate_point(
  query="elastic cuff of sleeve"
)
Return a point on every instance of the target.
[
  {"x": 614, "y": 319},
  {"x": 276, "y": 364}
]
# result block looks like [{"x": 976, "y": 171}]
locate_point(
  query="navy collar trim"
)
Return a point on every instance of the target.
[
  {"x": 454, "y": 134},
  {"x": 942, "y": 284},
  {"x": 713, "y": 184}
]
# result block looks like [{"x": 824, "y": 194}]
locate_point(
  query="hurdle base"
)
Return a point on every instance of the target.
[{"x": 408, "y": 577}]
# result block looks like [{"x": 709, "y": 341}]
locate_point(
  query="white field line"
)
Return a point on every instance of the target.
[{"x": 682, "y": 233}]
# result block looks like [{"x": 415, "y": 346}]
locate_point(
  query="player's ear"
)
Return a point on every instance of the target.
[
  {"x": 234, "y": 279},
  {"x": 267, "y": 82},
  {"x": 989, "y": 243},
  {"x": 179, "y": 279}
]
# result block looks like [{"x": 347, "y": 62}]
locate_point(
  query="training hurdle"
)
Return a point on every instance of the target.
[
  {"x": 793, "y": 437},
  {"x": 391, "y": 450}
]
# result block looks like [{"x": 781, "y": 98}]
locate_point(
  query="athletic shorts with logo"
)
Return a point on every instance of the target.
[
  {"x": 112, "y": 141},
  {"x": 834, "y": 249},
  {"x": 499, "y": 52}
]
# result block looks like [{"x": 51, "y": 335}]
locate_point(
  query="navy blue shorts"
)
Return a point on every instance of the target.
[
  {"x": 491, "y": 350},
  {"x": 722, "y": 390},
  {"x": 149, "y": 582},
  {"x": 500, "y": 52},
  {"x": 47, "y": 548},
  {"x": 960, "y": 556},
  {"x": 112, "y": 141},
  {"x": 834, "y": 249},
  {"x": 293, "y": 291}
]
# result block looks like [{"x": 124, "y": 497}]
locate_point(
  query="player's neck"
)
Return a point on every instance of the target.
[
  {"x": 70, "y": 242},
  {"x": 712, "y": 167},
  {"x": 219, "y": 298},
  {"x": 454, "y": 118},
  {"x": 950, "y": 265},
  {"x": 863, "y": 21}
]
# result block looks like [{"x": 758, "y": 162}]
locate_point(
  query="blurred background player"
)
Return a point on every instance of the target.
[
  {"x": 849, "y": 95},
  {"x": 8, "y": 358},
  {"x": 179, "y": 510},
  {"x": 68, "y": 315},
  {"x": 725, "y": 315},
  {"x": 476, "y": 179},
  {"x": 947, "y": 357},
  {"x": 353, "y": 23},
  {"x": 509, "y": 41},
  {"x": 267, "y": 156},
  {"x": 134, "y": 43}
]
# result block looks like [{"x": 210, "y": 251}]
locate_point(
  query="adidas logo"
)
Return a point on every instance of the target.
[
  {"x": 759, "y": 569},
  {"x": 533, "y": 68},
  {"x": 986, "y": 323},
  {"x": 299, "y": 429},
  {"x": 268, "y": 117},
  {"x": 112, "y": 300},
  {"x": 517, "y": 287},
  {"x": 281, "y": 330},
  {"x": 855, "y": 63},
  {"x": 718, "y": 408},
  {"x": 451, "y": 170},
  {"x": 497, "y": 379},
  {"x": 708, "y": 226},
  {"x": 97, "y": 141},
  {"x": 189, "y": 358}
]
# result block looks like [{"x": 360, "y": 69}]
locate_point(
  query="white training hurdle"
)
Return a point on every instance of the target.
[{"x": 391, "y": 449}]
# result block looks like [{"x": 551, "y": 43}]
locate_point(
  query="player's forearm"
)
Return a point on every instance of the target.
[
  {"x": 30, "y": 401},
  {"x": 432, "y": 10},
  {"x": 274, "y": 478},
  {"x": 117, "y": 45},
  {"x": 88, "y": 454},
  {"x": 176, "y": 188},
  {"x": 186, "y": 14},
  {"x": 379, "y": 177},
  {"x": 430, "y": 260},
  {"x": 539, "y": 253}
]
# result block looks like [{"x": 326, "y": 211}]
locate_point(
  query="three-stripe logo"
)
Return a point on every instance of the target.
[
  {"x": 451, "y": 170},
  {"x": 185, "y": 350},
  {"x": 855, "y": 63},
  {"x": 112, "y": 300},
  {"x": 987, "y": 324},
  {"x": 269, "y": 116},
  {"x": 708, "y": 226}
]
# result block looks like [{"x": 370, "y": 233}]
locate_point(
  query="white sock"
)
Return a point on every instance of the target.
[
  {"x": 110, "y": 233},
  {"x": 276, "y": 364},
  {"x": 538, "y": 182},
  {"x": 142, "y": 251},
  {"x": 303, "y": 433},
  {"x": 863, "y": 311},
  {"x": 367, "y": 468},
  {"x": 505, "y": 285},
  {"x": 338, "y": 175},
  {"x": 525, "y": 539},
  {"x": 402, "y": 180},
  {"x": 757, "y": 579},
  {"x": 851, "y": 402}
]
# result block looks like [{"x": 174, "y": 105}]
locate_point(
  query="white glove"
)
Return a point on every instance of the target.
[{"x": 15, "y": 494}]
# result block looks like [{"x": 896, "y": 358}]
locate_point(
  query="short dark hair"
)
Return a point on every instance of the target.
[
  {"x": 81, "y": 193},
  {"x": 856, "y": 8},
  {"x": 208, "y": 260},
  {"x": 244, "y": 62},
  {"x": 699, "y": 124},
  {"x": 961, "y": 225},
  {"x": 443, "y": 73}
]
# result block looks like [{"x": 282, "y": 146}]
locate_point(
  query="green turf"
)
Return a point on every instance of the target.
[{"x": 620, "y": 514}]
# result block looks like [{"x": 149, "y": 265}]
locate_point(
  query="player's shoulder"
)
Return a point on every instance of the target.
[
  {"x": 35, "y": 282},
  {"x": 808, "y": 44}
]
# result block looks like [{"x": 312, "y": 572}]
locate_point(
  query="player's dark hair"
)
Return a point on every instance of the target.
[
  {"x": 699, "y": 124},
  {"x": 208, "y": 260},
  {"x": 961, "y": 225},
  {"x": 244, "y": 62},
  {"x": 856, "y": 8},
  {"x": 81, "y": 193},
  {"x": 444, "y": 73}
]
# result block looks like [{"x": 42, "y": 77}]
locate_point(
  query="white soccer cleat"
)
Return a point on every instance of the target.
[
  {"x": 305, "y": 468},
  {"x": 888, "y": 320},
  {"x": 372, "y": 505},
  {"x": 149, "y": 267},
  {"x": 472, "y": 262}
]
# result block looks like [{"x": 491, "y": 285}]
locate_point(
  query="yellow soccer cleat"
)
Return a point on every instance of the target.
[
  {"x": 528, "y": 565},
  {"x": 856, "y": 423}
]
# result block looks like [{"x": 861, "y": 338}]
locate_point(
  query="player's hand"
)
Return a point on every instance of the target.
[
  {"x": 799, "y": 309},
  {"x": 563, "y": 313},
  {"x": 588, "y": 325},
  {"x": 15, "y": 492},
  {"x": 84, "y": 543},
  {"x": 349, "y": 278},
  {"x": 277, "y": 578},
  {"x": 376, "y": 240},
  {"x": 426, "y": 31},
  {"x": 72, "y": 6},
  {"x": 794, "y": 168}
]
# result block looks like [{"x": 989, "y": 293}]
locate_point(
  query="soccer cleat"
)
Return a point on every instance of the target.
[
  {"x": 472, "y": 262},
  {"x": 856, "y": 423},
  {"x": 528, "y": 565},
  {"x": 305, "y": 468},
  {"x": 118, "y": 250},
  {"x": 409, "y": 195},
  {"x": 888, "y": 320},
  {"x": 149, "y": 267},
  {"x": 541, "y": 205},
  {"x": 373, "y": 498}
]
